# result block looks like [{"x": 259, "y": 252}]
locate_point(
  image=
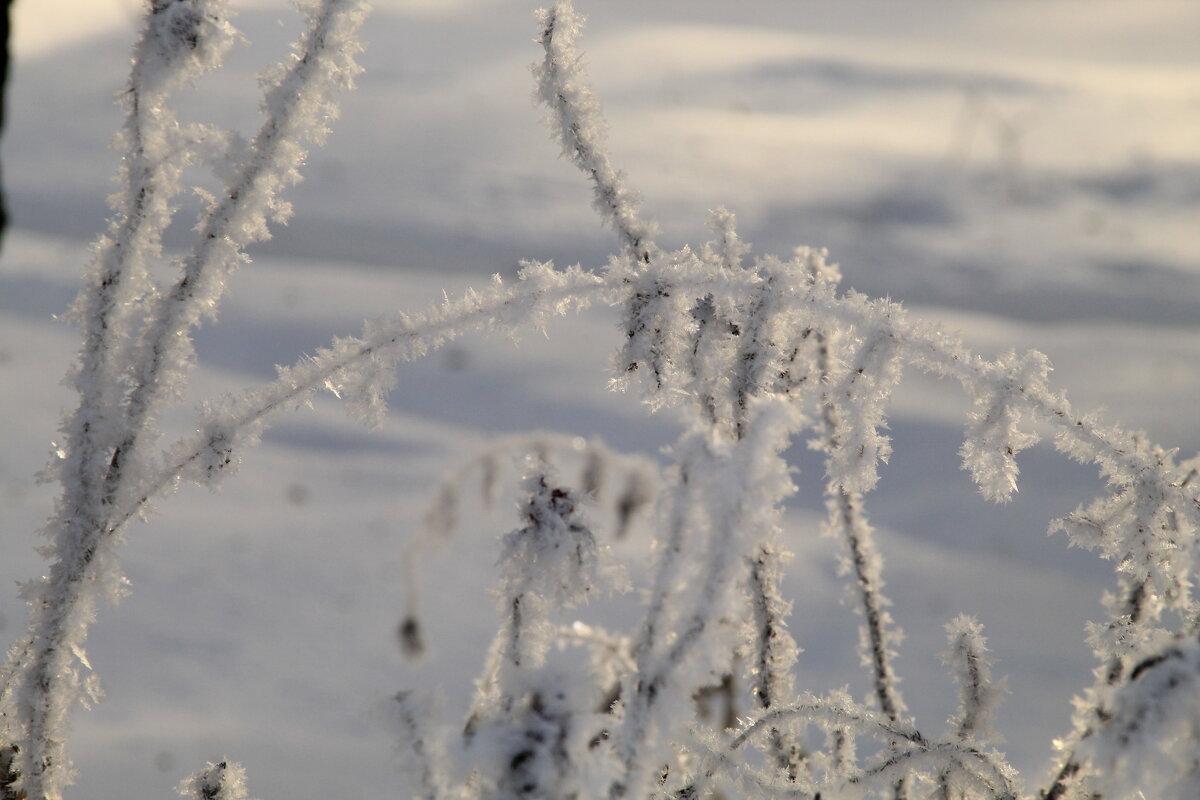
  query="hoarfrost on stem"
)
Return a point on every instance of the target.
[{"x": 137, "y": 353}]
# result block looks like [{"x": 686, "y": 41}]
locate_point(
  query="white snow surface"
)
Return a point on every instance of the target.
[{"x": 1027, "y": 174}]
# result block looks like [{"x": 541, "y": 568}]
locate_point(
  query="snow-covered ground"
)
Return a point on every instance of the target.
[{"x": 1026, "y": 173}]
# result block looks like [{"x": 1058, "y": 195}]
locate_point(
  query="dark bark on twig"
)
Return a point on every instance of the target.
[{"x": 4, "y": 61}]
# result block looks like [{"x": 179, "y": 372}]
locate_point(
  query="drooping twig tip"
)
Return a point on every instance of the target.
[{"x": 411, "y": 638}]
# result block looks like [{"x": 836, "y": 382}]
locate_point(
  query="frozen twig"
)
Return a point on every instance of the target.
[
  {"x": 563, "y": 88},
  {"x": 774, "y": 653},
  {"x": 420, "y": 753},
  {"x": 181, "y": 39},
  {"x": 223, "y": 780},
  {"x": 915, "y": 752}
]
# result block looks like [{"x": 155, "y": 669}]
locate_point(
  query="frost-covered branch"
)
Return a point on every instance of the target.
[
  {"x": 360, "y": 370},
  {"x": 773, "y": 651},
  {"x": 744, "y": 482},
  {"x": 575, "y": 116},
  {"x": 599, "y": 468},
  {"x": 851, "y": 416},
  {"x": 10, "y": 775},
  {"x": 297, "y": 103},
  {"x": 915, "y": 752},
  {"x": 979, "y": 695},
  {"x": 530, "y": 721},
  {"x": 1147, "y": 741},
  {"x": 122, "y": 384},
  {"x": 1133, "y": 630},
  {"x": 420, "y": 753},
  {"x": 180, "y": 41},
  {"x": 223, "y": 780}
]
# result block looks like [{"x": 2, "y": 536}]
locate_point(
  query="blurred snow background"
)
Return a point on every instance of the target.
[{"x": 1025, "y": 172}]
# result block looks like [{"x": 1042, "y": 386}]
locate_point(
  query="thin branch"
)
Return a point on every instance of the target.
[
  {"x": 563, "y": 88},
  {"x": 50, "y": 680}
]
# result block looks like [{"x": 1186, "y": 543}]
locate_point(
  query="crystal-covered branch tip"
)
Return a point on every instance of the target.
[
  {"x": 222, "y": 780},
  {"x": 562, "y": 86}
]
